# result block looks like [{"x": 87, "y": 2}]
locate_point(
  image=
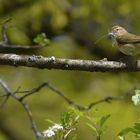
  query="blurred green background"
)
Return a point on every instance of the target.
[{"x": 73, "y": 26}]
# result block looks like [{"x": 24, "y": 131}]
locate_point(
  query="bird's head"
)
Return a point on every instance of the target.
[{"x": 117, "y": 32}]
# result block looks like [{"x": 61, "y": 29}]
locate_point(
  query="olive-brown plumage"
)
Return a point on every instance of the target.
[{"x": 126, "y": 42}]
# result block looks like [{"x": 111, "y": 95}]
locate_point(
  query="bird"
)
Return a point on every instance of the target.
[{"x": 126, "y": 42}]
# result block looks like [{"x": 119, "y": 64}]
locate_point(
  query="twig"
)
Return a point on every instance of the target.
[
  {"x": 107, "y": 99},
  {"x": 36, "y": 89},
  {"x": 5, "y": 27},
  {"x": 5, "y": 21},
  {"x": 5, "y": 99},
  {"x": 5, "y": 47},
  {"x": 25, "y": 106},
  {"x": 68, "y": 132}
]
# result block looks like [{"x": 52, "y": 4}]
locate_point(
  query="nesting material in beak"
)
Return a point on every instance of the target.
[{"x": 110, "y": 35}]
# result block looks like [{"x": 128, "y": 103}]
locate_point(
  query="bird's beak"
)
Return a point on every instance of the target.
[{"x": 110, "y": 35}]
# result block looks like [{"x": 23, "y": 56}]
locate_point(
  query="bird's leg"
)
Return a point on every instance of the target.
[{"x": 129, "y": 60}]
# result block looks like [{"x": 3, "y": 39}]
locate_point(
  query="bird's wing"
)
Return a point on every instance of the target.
[{"x": 130, "y": 38}]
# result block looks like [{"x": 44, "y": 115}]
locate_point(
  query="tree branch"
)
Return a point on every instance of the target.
[{"x": 67, "y": 64}]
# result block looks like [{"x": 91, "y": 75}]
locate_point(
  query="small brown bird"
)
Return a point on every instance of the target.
[{"x": 126, "y": 42}]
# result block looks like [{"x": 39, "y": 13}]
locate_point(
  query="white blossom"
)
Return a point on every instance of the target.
[
  {"x": 51, "y": 130},
  {"x": 136, "y": 99},
  {"x": 57, "y": 127},
  {"x": 48, "y": 133}
]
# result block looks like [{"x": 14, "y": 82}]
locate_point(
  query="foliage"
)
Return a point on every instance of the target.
[
  {"x": 68, "y": 123},
  {"x": 98, "y": 125},
  {"x": 62, "y": 131},
  {"x": 135, "y": 130},
  {"x": 42, "y": 40}
]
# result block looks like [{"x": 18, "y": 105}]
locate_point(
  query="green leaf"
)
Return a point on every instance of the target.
[
  {"x": 104, "y": 119},
  {"x": 67, "y": 119},
  {"x": 42, "y": 40},
  {"x": 74, "y": 137},
  {"x": 50, "y": 121},
  {"x": 137, "y": 136},
  {"x": 137, "y": 127},
  {"x": 125, "y": 131},
  {"x": 102, "y": 130},
  {"x": 77, "y": 112},
  {"x": 92, "y": 127}
]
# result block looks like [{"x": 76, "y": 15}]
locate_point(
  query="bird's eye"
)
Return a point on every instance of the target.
[{"x": 117, "y": 29}]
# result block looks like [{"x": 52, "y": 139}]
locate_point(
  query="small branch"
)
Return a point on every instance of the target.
[
  {"x": 69, "y": 131},
  {"x": 5, "y": 47},
  {"x": 107, "y": 99},
  {"x": 25, "y": 106},
  {"x": 4, "y": 35},
  {"x": 36, "y": 89},
  {"x": 5, "y": 99},
  {"x": 67, "y": 64}
]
